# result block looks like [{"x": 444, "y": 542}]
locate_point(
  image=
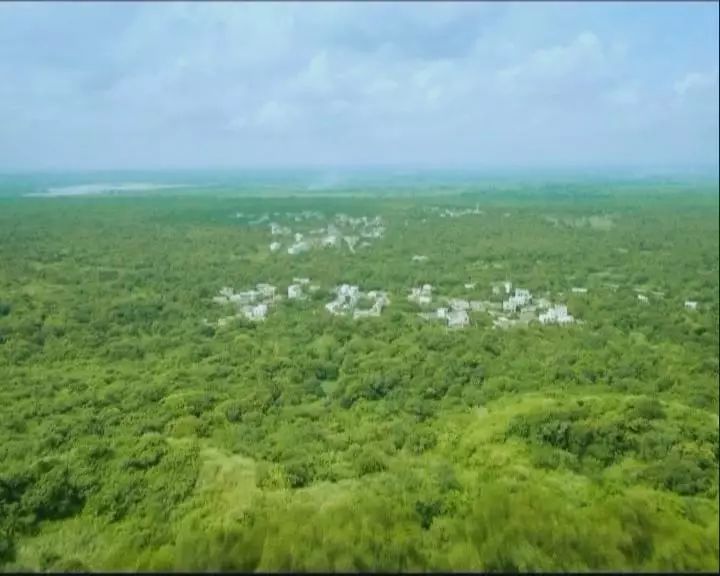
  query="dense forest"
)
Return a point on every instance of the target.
[{"x": 138, "y": 433}]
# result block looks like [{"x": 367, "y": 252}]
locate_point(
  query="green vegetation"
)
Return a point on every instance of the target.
[{"x": 135, "y": 436}]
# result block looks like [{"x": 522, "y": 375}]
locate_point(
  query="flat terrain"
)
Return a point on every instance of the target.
[{"x": 140, "y": 431}]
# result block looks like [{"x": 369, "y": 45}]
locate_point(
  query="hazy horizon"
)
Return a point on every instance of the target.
[{"x": 383, "y": 169}]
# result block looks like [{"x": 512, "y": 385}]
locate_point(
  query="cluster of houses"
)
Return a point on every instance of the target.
[
  {"x": 556, "y": 315},
  {"x": 250, "y": 304},
  {"x": 452, "y": 213},
  {"x": 422, "y": 296},
  {"x": 303, "y": 215},
  {"x": 516, "y": 307},
  {"x": 351, "y": 301},
  {"x": 296, "y": 290},
  {"x": 522, "y": 304},
  {"x": 348, "y": 298},
  {"x": 254, "y": 304},
  {"x": 517, "y": 301},
  {"x": 497, "y": 287},
  {"x": 296, "y": 216},
  {"x": 345, "y": 230},
  {"x": 455, "y": 315},
  {"x": 452, "y": 317},
  {"x": 602, "y": 222},
  {"x": 643, "y": 298}
]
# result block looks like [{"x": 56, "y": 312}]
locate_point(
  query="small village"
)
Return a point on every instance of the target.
[
  {"x": 452, "y": 213},
  {"x": 349, "y": 298},
  {"x": 344, "y": 230},
  {"x": 510, "y": 307}
]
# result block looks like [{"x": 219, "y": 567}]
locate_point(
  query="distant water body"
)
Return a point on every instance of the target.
[{"x": 119, "y": 188}]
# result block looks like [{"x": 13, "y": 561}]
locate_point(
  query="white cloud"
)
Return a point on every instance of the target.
[
  {"x": 316, "y": 79},
  {"x": 275, "y": 115},
  {"x": 237, "y": 123},
  {"x": 211, "y": 82},
  {"x": 580, "y": 64},
  {"x": 381, "y": 87},
  {"x": 695, "y": 81},
  {"x": 623, "y": 96}
]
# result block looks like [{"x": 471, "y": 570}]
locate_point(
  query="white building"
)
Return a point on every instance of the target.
[
  {"x": 517, "y": 301},
  {"x": 348, "y": 297},
  {"x": 294, "y": 291},
  {"x": 266, "y": 290},
  {"x": 276, "y": 229},
  {"x": 642, "y": 298},
  {"x": 298, "y": 247},
  {"x": 349, "y": 292},
  {"x": 470, "y": 285},
  {"x": 302, "y": 281},
  {"x": 691, "y": 304},
  {"x": 512, "y": 304},
  {"x": 458, "y": 319},
  {"x": 246, "y": 302},
  {"x": 419, "y": 258},
  {"x": 508, "y": 287},
  {"x": 330, "y": 240},
  {"x": 247, "y": 297},
  {"x": 422, "y": 295},
  {"x": 375, "y": 310},
  {"x": 523, "y": 296},
  {"x": 275, "y": 246},
  {"x": 579, "y": 290},
  {"x": 556, "y": 315},
  {"x": 459, "y": 304},
  {"x": 382, "y": 297},
  {"x": 257, "y": 312}
]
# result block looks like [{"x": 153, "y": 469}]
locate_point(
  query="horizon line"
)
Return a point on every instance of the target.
[{"x": 664, "y": 169}]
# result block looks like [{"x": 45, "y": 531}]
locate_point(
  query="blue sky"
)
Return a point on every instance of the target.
[{"x": 196, "y": 85}]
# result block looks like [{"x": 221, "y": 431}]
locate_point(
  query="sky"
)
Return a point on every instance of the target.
[{"x": 136, "y": 85}]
